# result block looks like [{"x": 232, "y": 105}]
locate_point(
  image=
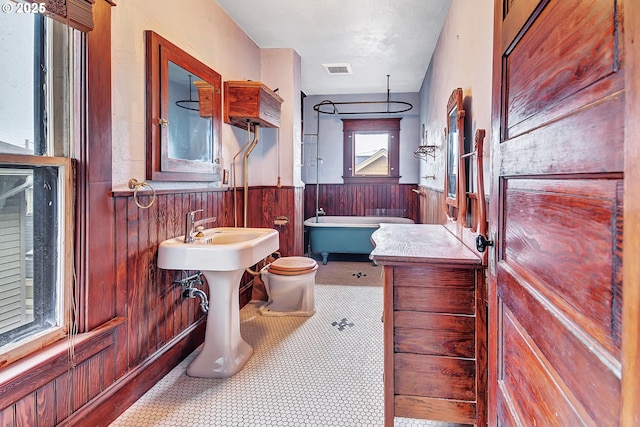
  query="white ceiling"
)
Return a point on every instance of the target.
[{"x": 377, "y": 37}]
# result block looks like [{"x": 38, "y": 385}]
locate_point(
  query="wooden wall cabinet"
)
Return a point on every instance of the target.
[{"x": 251, "y": 101}]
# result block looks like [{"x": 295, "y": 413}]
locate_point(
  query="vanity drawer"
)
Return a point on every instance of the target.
[
  {"x": 434, "y": 334},
  {"x": 434, "y": 289},
  {"x": 435, "y": 298},
  {"x": 434, "y": 376}
]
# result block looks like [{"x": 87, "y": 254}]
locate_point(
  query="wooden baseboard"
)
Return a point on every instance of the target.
[{"x": 114, "y": 400}]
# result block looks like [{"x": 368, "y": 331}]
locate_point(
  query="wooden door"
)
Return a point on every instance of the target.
[{"x": 555, "y": 274}]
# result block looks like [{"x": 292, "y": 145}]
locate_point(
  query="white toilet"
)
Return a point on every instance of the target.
[{"x": 289, "y": 283}]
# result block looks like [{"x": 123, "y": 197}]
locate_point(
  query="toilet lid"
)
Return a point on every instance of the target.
[{"x": 293, "y": 265}]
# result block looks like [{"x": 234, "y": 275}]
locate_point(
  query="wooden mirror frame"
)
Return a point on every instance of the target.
[
  {"x": 456, "y": 205},
  {"x": 159, "y": 166}
]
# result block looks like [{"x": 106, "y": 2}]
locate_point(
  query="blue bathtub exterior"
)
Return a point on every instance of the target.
[{"x": 353, "y": 236}]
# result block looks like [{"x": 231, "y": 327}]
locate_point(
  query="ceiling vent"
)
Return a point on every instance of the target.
[{"x": 341, "y": 68}]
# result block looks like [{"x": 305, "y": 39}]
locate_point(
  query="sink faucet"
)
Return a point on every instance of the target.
[
  {"x": 320, "y": 212},
  {"x": 189, "y": 225}
]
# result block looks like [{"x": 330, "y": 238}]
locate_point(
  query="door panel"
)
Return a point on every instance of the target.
[
  {"x": 586, "y": 375},
  {"x": 589, "y": 140},
  {"x": 558, "y": 236},
  {"x": 570, "y": 46},
  {"x": 558, "y": 159},
  {"x": 527, "y": 385}
]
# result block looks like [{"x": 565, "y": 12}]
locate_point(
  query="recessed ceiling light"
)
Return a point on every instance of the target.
[{"x": 338, "y": 68}]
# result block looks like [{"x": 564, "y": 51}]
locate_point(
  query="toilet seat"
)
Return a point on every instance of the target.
[{"x": 293, "y": 266}]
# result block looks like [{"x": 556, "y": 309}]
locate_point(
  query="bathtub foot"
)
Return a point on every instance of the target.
[
  {"x": 375, "y": 264},
  {"x": 325, "y": 256}
]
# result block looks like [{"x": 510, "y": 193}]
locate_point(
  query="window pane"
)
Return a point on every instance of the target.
[
  {"x": 28, "y": 226},
  {"x": 371, "y": 154},
  {"x": 17, "y": 81}
]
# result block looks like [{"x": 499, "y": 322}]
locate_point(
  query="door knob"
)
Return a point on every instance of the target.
[{"x": 482, "y": 243}]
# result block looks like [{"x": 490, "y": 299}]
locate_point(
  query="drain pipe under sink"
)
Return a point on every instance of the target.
[
  {"x": 197, "y": 293},
  {"x": 246, "y": 169}
]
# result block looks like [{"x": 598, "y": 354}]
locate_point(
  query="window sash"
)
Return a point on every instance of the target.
[
  {"x": 61, "y": 51},
  {"x": 63, "y": 272}
]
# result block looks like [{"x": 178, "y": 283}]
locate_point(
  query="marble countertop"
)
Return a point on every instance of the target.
[{"x": 419, "y": 243}]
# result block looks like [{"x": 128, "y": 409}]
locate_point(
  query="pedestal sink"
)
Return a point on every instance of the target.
[{"x": 222, "y": 256}]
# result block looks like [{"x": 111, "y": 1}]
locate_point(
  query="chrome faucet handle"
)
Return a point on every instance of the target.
[{"x": 204, "y": 221}]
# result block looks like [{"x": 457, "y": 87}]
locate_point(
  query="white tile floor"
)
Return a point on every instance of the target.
[{"x": 320, "y": 371}]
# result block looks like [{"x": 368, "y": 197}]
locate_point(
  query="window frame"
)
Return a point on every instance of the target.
[
  {"x": 350, "y": 127},
  {"x": 54, "y": 139}
]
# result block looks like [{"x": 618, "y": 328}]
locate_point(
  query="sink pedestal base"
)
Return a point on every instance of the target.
[{"x": 224, "y": 352}]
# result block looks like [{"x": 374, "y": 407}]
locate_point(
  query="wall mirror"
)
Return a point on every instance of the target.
[
  {"x": 183, "y": 114},
  {"x": 454, "y": 179}
]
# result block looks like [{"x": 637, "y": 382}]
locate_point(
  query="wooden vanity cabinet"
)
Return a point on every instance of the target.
[{"x": 434, "y": 325}]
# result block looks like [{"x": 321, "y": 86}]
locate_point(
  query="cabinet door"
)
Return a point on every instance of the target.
[{"x": 557, "y": 186}]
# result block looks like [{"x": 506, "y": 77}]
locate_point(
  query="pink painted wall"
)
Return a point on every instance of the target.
[
  {"x": 206, "y": 32},
  {"x": 462, "y": 58}
]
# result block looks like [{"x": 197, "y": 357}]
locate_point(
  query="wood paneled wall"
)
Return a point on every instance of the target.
[
  {"x": 358, "y": 199},
  {"x": 431, "y": 206},
  {"x": 153, "y": 328}
]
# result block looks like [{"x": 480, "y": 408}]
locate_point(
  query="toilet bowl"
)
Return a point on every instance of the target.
[{"x": 289, "y": 283}]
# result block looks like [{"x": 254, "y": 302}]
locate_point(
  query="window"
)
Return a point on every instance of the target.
[
  {"x": 35, "y": 180},
  {"x": 371, "y": 150}
]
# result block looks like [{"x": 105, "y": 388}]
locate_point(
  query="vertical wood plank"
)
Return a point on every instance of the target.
[
  {"x": 109, "y": 363},
  {"x": 25, "y": 410},
  {"x": 121, "y": 282},
  {"x": 80, "y": 381},
  {"x": 143, "y": 283},
  {"x": 133, "y": 289},
  {"x": 151, "y": 248},
  {"x": 64, "y": 396},
  {"x": 45, "y": 404},
  {"x": 95, "y": 375},
  {"x": 161, "y": 274},
  {"x": 7, "y": 416}
]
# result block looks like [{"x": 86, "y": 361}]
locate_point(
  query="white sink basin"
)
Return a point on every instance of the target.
[{"x": 221, "y": 249}]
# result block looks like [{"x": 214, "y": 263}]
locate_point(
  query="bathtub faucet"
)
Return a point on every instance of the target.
[{"x": 320, "y": 212}]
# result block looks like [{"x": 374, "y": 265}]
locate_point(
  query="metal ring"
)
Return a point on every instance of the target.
[{"x": 136, "y": 185}]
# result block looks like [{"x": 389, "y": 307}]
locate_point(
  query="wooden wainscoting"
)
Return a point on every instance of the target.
[
  {"x": 360, "y": 199},
  {"x": 432, "y": 209},
  {"x": 152, "y": 327}
]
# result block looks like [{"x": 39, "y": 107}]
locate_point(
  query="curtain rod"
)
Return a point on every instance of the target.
[{"x": 399, "y": 106}]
